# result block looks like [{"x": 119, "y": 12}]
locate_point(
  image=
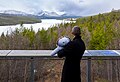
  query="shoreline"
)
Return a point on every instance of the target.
[{"x": 19, "y": 23}]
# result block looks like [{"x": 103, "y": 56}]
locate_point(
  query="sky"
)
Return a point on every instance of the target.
[{"x": 75, "y": 7}]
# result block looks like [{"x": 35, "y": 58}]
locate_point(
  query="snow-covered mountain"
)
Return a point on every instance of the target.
[
  {"x": 40, "y": 14},
  {"x": 46, "y": 13},
  {"x": 13, "y": 12}
]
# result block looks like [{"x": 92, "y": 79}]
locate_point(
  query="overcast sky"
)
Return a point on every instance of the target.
[{"x": 79, "y": 7}]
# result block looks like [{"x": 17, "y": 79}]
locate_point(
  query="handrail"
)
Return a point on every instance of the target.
[{"x": 45, "y": 54}]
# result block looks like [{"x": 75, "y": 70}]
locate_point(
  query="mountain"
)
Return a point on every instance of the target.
[
  {"x": 14, "y": 12},
  {"x": 54, "y": 15},
  {"x": 46, "y": 13},
  {"x": 67, "y": 15},
  {"x": 41, "y": 14}
]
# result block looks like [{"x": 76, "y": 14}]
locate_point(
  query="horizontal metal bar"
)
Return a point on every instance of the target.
[{"x": 42, "y": 58}]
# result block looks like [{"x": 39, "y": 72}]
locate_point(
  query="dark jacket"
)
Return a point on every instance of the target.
[{"x": 73, "y": 53}]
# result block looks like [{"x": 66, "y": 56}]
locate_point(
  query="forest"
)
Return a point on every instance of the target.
[
  {"x": 99, "y": 32},
  {"x": 6, "y": 19}
]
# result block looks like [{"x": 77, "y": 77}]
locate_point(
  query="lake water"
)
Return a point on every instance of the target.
[{"x": 46, "y": 23}]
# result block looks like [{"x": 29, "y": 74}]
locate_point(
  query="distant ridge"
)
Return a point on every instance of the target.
[
  {"x": 8, "y": 19},
  {"x": 41, "y": 14}
]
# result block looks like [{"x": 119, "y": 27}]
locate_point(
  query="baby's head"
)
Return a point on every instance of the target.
[{"x": 63, "y": 41}]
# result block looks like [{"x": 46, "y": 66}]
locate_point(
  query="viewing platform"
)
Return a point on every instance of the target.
[{"x": 40, "y": 66}]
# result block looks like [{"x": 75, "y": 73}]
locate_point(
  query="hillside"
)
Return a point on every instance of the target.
[
  {"x": 6, "y": 19},
  {"x": 99, "y": 32}
]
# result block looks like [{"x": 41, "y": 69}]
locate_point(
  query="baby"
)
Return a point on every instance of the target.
[{"x": 60, "y": 45}]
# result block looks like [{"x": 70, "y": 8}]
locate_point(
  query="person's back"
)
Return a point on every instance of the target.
[{"x": 73, "y": 53}]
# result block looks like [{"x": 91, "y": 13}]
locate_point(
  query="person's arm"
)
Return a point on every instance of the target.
[{"x": 66, "y": 50}]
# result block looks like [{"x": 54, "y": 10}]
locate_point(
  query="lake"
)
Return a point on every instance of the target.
[{"x": 46, "y": 23}]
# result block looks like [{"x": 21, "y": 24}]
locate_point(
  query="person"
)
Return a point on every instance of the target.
[{"x": 73, "y": 53}]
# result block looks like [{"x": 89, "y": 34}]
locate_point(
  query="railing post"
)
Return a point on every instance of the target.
[
  {"x": 89, "y": 70},
  {"x": 32, "y": 70}
]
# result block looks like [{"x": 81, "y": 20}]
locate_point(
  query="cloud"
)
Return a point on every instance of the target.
[
  {"x": 12, "y": 5},
  {"x": 100, "y": 6},
  {"x": 77, "y": 7}
]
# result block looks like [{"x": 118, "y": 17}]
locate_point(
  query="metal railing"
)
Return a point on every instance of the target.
[{"x": 45, "y": 54}]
